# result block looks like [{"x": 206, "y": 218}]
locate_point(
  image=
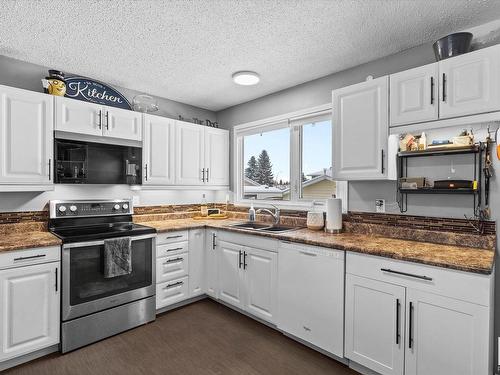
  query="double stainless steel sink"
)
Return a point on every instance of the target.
[{"x": 261, "y": 227}]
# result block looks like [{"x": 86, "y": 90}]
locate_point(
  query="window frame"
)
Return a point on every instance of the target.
[{"x": 294, "y": 121}]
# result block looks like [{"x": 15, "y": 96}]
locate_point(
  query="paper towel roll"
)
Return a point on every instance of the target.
[{"x": 333, "y": 215}]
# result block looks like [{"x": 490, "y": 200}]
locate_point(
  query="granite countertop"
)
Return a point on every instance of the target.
[
  {"x": 27, "y": 240},
  {"x": 446, "y": 256}
]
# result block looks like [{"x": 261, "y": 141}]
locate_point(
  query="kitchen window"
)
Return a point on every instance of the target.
[{"x": 286, "y": 161}]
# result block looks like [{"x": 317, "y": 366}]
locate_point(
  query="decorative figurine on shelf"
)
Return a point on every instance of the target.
[{"x": 54, "y": 84}]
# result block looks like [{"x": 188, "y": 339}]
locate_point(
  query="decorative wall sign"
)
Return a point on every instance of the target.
[
  {"x": 89, "y": 90},
  {"x": 85, "y": 89}
]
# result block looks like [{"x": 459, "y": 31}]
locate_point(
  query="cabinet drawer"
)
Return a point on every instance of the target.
[
  {"x": 171, "y": 267},
  {"x": 171, "y": 249},
  {"x": 171, "y": 292},
  {"x": 170, "y": 237},
  {"x": 465, "y": 286},
  {"x": 27, "y": 257}
]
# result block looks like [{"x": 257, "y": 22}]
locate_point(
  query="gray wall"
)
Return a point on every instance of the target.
[{"x": 28, "y": 76}]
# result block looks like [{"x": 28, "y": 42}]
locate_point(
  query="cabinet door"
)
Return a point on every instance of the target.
[
  {"x": 260, "y": 271},
  {"x": 447, "y": 336},
  {"x": 77, "y": 116},
  {"x": 122, "y": 123},
  {"x": 211, "y": 265},
  {"x": 158, "y": 150},
  {"x": 361, "y": 130},
  {"x": 196, "y": 261},
  {"x": 189, "y": 155},
  {"x": 26, "y": 137},
  {"x": 217, "y": 156},
  {"x": 470, "y": 83},
  {"x": 29, "y": 311},
  {"x": 374, "y": 315},
  {"x": 414, "y": 95},
  {"x": 311, "y": 296},
  {"x": 230, "y": 273}
]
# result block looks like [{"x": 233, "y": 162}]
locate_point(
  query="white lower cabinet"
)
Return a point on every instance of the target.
[
  {"x": 448, "y": 336},
  {"x": 374, "y": 324},
  {"x": 171, "y": 292},
  {"x": 247, "y": 279},
  {"x": 29, "y": 311},
  {"x": 311, "y": 295},
  {"x": 405, "y": 318},
  {"x": 196, "y": 262},
  {"x": 211, "y": 268}
]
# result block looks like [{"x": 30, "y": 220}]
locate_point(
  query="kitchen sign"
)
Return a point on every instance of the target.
[
  {"x": 86, "y": 89},
  {"x": 83, "y": 88}
]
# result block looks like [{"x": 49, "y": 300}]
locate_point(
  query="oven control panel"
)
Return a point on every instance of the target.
[{"x": 62, "y": 209}]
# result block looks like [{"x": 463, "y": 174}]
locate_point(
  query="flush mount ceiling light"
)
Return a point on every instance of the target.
[{"x": 246, "y": 78}]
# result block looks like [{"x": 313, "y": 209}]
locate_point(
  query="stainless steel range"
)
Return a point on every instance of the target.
[{"x": 96, "y": 305}]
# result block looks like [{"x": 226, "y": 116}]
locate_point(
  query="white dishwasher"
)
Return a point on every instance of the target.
[{"x": 311, "y": 295}]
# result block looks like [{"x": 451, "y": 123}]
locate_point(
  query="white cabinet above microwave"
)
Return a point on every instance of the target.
[
  {"x": 76, "y": 116},
  {"x": 464, "y": 85}
]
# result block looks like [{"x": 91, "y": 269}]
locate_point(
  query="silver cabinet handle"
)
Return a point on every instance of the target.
[
  {"x": 207, "y": 175},
  {"x": 410, "y": 327},
  {"x": 174, "y": 284},
  {"x": 398, "y": 334},
  {"x": 29, "y": 257},
  {"x": 203, "y": 175},
  {"x": 100, "y": 120},
  {"x": 50, "y": 169},
  {"x": 214, "y": 243},
  {"x": 173, "y": 260},
  {"x": 107, "y": 120},
  {"x": 177, "y": 236},
  {"x": 57, "y": 282},
  {"x": 427, "y": 278},
  {"x": 146, "y": 172},
  {"x": 175, "y": 249},
  {"x": 308, "y": 254}
]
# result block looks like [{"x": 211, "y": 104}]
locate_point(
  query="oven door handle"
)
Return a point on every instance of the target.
[{"x": 101, "y": 242}]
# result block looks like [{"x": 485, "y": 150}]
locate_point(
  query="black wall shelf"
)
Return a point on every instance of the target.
[{"x": 475, "y": 150}]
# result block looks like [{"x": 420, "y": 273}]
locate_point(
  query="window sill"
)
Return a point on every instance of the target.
[{"x": 298, "y": 206}]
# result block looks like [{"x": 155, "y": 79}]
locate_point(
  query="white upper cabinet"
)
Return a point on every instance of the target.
[
  {"x": 202, "y": 155},
  {"x": 447, "y": 336},
  {"x": 158, "y": 150},
  {"x": 470, "y": 83},
  {"x": 361, "y": 130},
  {"x": 26, "y": 137},
  {"x": 414, "y": 95},
  {"x": 190, "y": 154},
  {"x": 216, "y": 156},
  {"x": 77, "y": 116},
  {"x": 29, "y": 309},
  {"x": 122, "y": 123}
]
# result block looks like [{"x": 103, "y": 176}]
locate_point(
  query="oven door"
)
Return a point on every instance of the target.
[{"x": 84, "y": 288}]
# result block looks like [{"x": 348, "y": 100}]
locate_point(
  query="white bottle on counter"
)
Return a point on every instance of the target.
[{"x": 251, "y": 213}]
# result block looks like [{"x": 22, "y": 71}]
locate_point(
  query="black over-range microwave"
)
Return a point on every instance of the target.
[{"x": 81, "y": 162}]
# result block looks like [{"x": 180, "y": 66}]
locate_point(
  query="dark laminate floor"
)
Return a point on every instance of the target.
[{"x": 203, "y": 338}]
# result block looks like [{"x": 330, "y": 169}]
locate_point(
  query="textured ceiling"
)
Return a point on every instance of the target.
[{"x": 187, "y": 50}]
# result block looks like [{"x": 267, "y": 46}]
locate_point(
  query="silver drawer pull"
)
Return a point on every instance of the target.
[
  {"x": 30, "y": 257},
  {"x": 177, "y": 236},
  {"x": 173, "y": 260},
  {"x": 178, "y": 283},
  {"x": 427, "y": 278},
  {"x": 175, "y": 249},
  {"x": 309, "y": 254}
]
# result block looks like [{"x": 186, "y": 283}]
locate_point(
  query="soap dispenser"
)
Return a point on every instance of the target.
[{"x": 251, "y": 213}]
